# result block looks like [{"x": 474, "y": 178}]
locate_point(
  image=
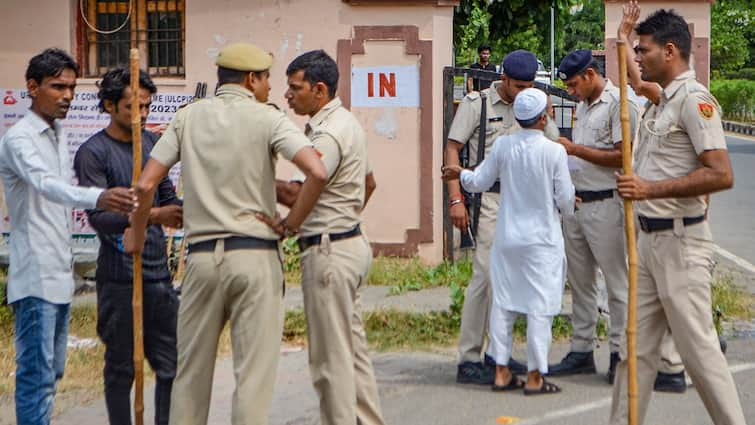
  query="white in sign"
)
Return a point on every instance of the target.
[{"x": 381, "y": 86}]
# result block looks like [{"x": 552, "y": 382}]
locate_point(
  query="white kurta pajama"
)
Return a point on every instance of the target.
[{"x": 528, "y": 261}]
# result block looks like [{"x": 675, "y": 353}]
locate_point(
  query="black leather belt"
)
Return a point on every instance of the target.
[
  {"x": 592, "y": 196},
  {"x": 235, "y": 242},
  {"x": 649, "y": 225},
  {"x": 496, "y": 188},
  {"x": 307, "y": 241}
]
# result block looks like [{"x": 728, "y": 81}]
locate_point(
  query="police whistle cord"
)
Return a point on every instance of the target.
[
  {"x": 626, "y": 157},
  {"x": 136, "y": 301}
]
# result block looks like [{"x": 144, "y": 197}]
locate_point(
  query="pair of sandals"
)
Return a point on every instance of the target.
[{"x": 517, "y": 384}]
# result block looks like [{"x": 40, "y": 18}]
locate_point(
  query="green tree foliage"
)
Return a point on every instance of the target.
[
  {"x": 732, "y": 43},
  {"x": 737, "y": 98},
  {"x": 586, "y": 29},
  {"x": 508, "y": 25}
]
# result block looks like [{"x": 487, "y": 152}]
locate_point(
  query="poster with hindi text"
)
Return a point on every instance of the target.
[{"x": 83, "y": 120}]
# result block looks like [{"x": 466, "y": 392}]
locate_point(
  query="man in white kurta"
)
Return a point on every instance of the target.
[{"x": 528, "y": 263}]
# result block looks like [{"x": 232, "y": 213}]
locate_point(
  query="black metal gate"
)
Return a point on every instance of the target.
[{"x": 563, "y": 105}]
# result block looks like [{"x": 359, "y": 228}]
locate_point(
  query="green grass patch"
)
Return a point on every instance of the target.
[
  {"x": 294, "y": 326},
  {"x": 410, "y": 274},
  {"x": 729, "y": 301},
  {"x": 6, "y": 315},
  {"x": 391, "y": 329},
  {"x": 399, "y": 330},
  {"x": 401, "y": 274},
  {"x": 388, "y": 329}
]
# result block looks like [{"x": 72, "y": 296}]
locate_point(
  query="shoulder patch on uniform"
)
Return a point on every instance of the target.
[{"x": 706, "y": 110}]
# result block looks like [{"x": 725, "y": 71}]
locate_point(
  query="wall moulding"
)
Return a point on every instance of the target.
[{"x": 413, "y": 46}]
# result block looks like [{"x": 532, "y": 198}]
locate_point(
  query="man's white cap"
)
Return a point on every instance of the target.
[{"x": 529, "y": 103}]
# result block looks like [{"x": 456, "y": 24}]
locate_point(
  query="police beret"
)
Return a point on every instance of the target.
[
  {"x": 520, "y": 65},
  {"x": 244, "y": 57},
  {"x": 574, "y": 63}
]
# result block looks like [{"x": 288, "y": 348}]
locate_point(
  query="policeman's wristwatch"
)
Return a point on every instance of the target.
[{"x": 287, "y": 231}]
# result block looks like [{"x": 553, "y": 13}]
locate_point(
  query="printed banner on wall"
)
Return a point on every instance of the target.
[
  {"x": 383, "y": 86},
  {"x": 83, "y": 120}
]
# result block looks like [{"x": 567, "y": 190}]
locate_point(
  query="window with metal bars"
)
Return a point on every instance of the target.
[{"x": 111, "y": 27}]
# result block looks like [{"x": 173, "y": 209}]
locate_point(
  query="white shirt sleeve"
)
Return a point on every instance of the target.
[
  {"x": 22, "y": 157},
  {"x": 562, "y": 185},
  {"x": 484, "y": 176}
]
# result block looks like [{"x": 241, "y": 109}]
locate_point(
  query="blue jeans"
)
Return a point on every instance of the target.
[{"x": 41, "y": 336}]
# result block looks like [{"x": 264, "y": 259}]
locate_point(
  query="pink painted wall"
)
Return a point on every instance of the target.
[{"x": 286, "y": 28}]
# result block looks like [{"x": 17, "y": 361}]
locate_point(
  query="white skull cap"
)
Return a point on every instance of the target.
[{"x": 529, "y": 104}]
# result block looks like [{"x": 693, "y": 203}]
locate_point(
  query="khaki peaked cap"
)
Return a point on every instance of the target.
[{"x": 244, "y": 57}]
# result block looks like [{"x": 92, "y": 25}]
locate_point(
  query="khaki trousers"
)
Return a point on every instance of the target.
[
  {"x": 594, "y": 237},
  {"x": 671, "y": 361},
  {"x": 341, "y": 369},
  {"x": 673, "y": 292},
  {"x": 477, "y": 298},
  {"x": 243, "y": 287}
]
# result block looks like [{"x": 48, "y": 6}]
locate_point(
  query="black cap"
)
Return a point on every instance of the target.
[
  {"x": 574, "y": 63},
  {"x": 520, "y": 65}
]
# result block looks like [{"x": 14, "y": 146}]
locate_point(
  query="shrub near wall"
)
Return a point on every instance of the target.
[{"x": 737, "y": 99}]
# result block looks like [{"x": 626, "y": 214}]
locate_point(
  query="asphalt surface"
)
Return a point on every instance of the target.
[
  {"x": 419, "y": 388},
  {"x": 731, "y": 212}
]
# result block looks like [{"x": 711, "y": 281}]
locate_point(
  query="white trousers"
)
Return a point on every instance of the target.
[{"x": 538, "y": 338}]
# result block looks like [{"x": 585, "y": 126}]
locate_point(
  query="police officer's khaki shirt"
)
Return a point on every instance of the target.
[
  {"x": 466, "y": 123},
  {"x": 598, "y": 126},
  {"x": 342, "y": 145},
  {"x": 686, "y": 123},
  {"x": 227, "y": 146}
]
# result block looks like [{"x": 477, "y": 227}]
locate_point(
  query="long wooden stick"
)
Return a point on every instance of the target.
[
  {"x": 626, "y": 156},
  {"x": 136, "y": 301}
]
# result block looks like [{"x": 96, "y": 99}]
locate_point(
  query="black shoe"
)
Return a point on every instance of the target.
[
  {"x": 475, "y": 373},
  {"x": 723, "y": 344},
  {"x": 670, "y": 382},
  {"x": 612, "y": 367},
  {"x": 516, "y": 367},
  {"x": 574, "y": 363}
]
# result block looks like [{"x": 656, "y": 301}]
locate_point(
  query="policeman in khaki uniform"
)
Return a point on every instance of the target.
[
  {"x": 336, "y": 255},
  {"x": 518, "y": 73},
  {"x": 227, "y": 146},
  {"x": 685, "y": 159},
  {"x": 671, "y": 377},
  {"x": 594, "y": 235}
]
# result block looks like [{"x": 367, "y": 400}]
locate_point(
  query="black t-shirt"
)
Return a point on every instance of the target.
[
  {"x": 105, "y": 162},
  {"x": 478, "y": 84}
]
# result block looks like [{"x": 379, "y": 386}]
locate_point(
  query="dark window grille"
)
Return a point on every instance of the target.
[
  {"x": 156, "y": 28},
  {"x": 165, "y": 40},
  {"x": 112, "y": 49}
]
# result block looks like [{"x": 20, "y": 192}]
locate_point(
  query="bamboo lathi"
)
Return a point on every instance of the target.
[
  {"x": 626, "y": 154},
  {"x": 137, "y": 299}
]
